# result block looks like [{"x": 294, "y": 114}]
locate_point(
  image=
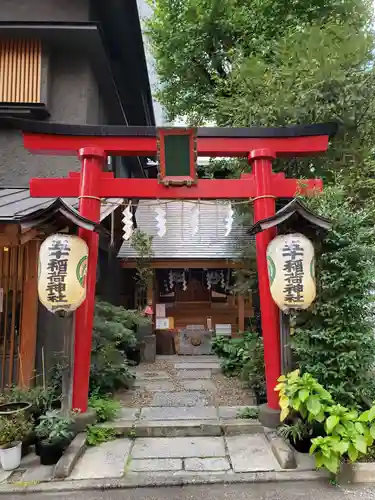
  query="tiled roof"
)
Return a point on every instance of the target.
[
  {"x": 17, "y": 202},
  {"x": 210, "y": 241}
]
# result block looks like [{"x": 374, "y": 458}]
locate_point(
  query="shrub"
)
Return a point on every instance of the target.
[
  {"x": 105, "y": 407},
  {"x": 114, "y": 332},
  {"x": 243, "y": 357},
  {"x": 334, "y": 339},
  {"x": 14, "y": 428},
  {"x": 97, "y": 435}
]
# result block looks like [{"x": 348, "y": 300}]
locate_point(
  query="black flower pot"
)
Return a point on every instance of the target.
[
  {"x": 302, "y": 445},
  {"x": 11, "y": 409},
  {"x": 50, "y": 453}
]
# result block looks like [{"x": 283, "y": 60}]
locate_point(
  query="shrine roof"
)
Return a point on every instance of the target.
[
  {"x": 17, "y": 206},
  {"x": 210, "y": 241},
  {"x": 294, "y": 207}
]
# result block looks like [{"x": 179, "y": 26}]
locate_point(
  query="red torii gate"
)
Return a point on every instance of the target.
[{"x": 94, "y": 143}]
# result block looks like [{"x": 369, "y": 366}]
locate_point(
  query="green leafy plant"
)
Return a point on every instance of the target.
[
  {"x": 97, "y": 435},
  {"x": 141, "y": 243},
  {"x": 348, "y": 432},
  {"x": 296, "y": 431},
  {"x": 303, "y": 394},
  {"x": 105, "y": 407},
  {"x": 53, "y": 426},
  {"x": 40, "y": 397},
  {"x": 14, "y": 428},
  {"x": 248, "y": 413}
]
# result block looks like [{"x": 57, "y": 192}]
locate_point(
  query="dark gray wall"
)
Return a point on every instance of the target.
[
  {"x": 73, "y": 98},
  {"x": 44, "y": 10}
]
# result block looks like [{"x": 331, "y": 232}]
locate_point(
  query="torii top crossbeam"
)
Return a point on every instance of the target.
[
  {"x": 94, "y": 143},
  {"x": 50, "y": 138}
]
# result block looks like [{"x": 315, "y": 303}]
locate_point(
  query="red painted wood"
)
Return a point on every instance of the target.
[
  {"x": 92, "y": 164},
  {"x": 264, "y": 208},
  {"x": 146, "y": 146},
  {"x": 152, "y": 189}
]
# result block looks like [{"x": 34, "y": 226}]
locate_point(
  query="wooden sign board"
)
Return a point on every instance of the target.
[{"x": 177, "y": 155}]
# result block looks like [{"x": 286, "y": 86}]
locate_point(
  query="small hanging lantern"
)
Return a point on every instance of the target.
[
  {"x": 291, "y": 271},
  {"x": 62, "y": 272}
]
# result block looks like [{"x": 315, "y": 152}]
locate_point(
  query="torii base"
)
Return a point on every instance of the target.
[{"x": 269, "y": 417}]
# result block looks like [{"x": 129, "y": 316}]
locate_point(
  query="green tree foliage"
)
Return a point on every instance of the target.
[
  {"x": 334, "y": 340},
  {"x": 197, "y": 43}
]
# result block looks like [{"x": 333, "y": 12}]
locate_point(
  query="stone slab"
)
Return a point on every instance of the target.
[
  {"x": 103, "y": 461},
  {"x": 207, "y": 464},
  {"x": 199, "y": 385},
  {"x": 179, "y": 413},
  {"x": 188, "y": 398},
  {"x": 142, "y": 374},
  {"x": 178, "y": 447},
  {"x": 161, "y": 386},
  {"x": 128, "y": 414},
  {"x": 213, "y": 366},
  {"x": 231, "y": 412},
  {"x": 155, "y": 464},
  {"x": 41, "y": 474},
  {"x": 195, "y": 342},
  {"x": 194, "y": 374},
  {"x": 251, "y": 453},
  {"x": 5, "y": 474}
]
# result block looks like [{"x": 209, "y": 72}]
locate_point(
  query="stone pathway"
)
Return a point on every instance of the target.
[{"x": 181, "y": 419}]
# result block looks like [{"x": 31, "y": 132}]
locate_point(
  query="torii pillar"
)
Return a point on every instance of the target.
[{"x": 93, "y": 144}]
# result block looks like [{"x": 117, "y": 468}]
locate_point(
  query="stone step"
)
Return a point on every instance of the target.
[{"x": 184, "y": 428}]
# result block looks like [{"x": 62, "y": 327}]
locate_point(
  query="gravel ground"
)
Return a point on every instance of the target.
[{"x": 229, "y": 390}]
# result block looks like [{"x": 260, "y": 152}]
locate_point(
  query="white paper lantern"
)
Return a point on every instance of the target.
[
  {"x": 291, "y": 271},
  {"x": 62, "y": 272}
]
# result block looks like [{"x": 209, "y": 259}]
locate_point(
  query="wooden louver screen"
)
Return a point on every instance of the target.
[{"x": 20, "y": 71}]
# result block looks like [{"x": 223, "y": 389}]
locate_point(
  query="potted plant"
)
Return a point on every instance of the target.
[
  {"x": 54, "y": 433},
  {"x": 12, "y": 430}
]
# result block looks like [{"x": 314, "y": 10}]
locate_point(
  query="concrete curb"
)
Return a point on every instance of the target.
[
  {"x": 357, "y": 473},
  {"x": 75, "y": 450},
  {"x": 134, "y": 480}
]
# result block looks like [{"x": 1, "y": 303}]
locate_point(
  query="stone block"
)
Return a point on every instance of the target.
[
  {"x": 128, "y": 414},
  {"x": 159, "y": 386},
  {"x": 155, "y": 465},
  {"x": 199, "y": 385},
  {"x": 148, "y": 348},
  {"x": 72, "y": 454},
  {"x": 179, "y": 447},
  {"x": 179, "y": 413},
  {"x": 178, "y": 428},
  {"x": 282, "y": 451},
  {"x": 194, "y": 374},
  {"x": 230, "y": 412},
  {"x": 195, "y": 342},
  {"x": 103, "y": 461},
  {"x": 192, "y": 398},
  {"x": 144, "y": 374},
  {"x": 237, "y": 427},
  {"x": 213, "y": 366},
  {"x": 206, "y": 464},
  {"x": 251, "y": 453}
]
